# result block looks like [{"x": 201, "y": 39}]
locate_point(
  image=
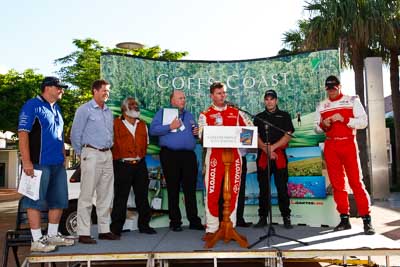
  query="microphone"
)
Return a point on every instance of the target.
[{"x": 228, "y": 103}]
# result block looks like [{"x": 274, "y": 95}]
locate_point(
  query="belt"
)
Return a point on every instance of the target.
[
  {"x": 131, "y": 162},
  {"x": 176, "y": 150},
  {"x": 340, "y": 138},
  {"x": 99, "y": 149}
]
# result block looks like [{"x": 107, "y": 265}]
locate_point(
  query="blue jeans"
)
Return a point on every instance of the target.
[{"x": 53, "y": 192}]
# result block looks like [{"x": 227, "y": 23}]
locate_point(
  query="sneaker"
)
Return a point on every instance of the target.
[
  {"x": 42, "y": 245},
  {"x": 344, "y": 223},
  {"x": 60, "y": 240},
  {"x": 368, "y": 229},
  {"x": 287, "y": 223}
]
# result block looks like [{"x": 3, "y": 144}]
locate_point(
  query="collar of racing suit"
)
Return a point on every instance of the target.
[
  {"x": 220, "y": 108},
  {"x": 339, "y": 96}
]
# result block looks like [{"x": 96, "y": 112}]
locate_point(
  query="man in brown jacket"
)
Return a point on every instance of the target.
[{"x": 130, "y": 169}]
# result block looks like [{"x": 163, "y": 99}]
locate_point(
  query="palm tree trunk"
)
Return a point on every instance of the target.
[
  {"x": 358, "y": 65},
  {"x": 394, "y": 84}
]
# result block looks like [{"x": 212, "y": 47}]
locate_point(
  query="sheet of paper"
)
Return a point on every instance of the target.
[
  {"x": 169, "y": 114},
  {"x": 30, "y": 186}
]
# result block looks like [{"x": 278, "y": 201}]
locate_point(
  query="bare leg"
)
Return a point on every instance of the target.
[
  {"x": 55, "y": 216},
  {"x": 34, "y": 218}
]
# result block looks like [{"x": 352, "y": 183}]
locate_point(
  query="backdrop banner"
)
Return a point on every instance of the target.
[{"x": 298, "y": 79}]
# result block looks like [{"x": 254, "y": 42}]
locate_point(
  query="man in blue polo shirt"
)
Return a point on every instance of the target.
[
  {"x": 178, "y": 160},
  {"x": 41, "y": 143}
]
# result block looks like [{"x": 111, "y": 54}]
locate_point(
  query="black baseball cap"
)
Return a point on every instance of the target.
[
  {"x": 270, "y": 93},
  {"x": 53, "y": 81},
  {"x": 331, "y": 82}
]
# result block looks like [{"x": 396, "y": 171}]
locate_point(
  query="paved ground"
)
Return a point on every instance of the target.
[{"x": 385, "y": 214}]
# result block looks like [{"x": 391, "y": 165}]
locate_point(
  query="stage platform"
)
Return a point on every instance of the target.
[{"x": 166, "y": 245}]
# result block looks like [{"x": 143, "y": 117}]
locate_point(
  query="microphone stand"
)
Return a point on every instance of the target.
[{"x": 271, "y": 230}]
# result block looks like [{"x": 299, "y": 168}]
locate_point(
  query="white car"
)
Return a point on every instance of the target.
[{"x": 68, "y": 223}]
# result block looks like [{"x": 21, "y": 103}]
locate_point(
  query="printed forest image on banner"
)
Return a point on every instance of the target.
[{"x": 298, "y": 80}]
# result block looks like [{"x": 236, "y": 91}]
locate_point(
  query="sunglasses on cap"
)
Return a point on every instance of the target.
[{"x": 331, "y": 85}]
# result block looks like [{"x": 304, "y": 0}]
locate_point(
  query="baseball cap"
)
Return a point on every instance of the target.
[
  {"x": 270, "y": 93},
  {"x": 53, "y": 81},
  {"x": 331, "y": 82}
]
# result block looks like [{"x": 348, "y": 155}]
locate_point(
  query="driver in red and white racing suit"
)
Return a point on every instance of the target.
[
  {"x": 220, "y": 114},
  {"x": 339, "y": 116}
]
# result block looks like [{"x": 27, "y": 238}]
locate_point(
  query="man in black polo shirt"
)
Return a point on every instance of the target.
[{"x": 277, "y": 142}]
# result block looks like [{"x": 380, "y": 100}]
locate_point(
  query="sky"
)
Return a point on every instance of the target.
[{"x": 35, "y": 33}]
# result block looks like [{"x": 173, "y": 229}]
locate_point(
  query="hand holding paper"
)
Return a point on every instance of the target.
[
  {"x": 175, "y": 124},
  {"x": 30, "y": 185},
  {"x": 169, "y": 115},
  {"x": 28, "y": 168}
]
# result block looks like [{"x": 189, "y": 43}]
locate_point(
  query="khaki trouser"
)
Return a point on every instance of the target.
[{"x": 97, "y": 176}]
